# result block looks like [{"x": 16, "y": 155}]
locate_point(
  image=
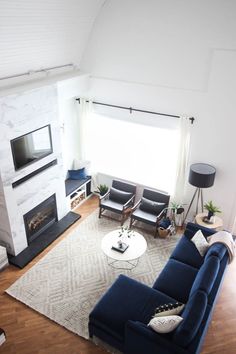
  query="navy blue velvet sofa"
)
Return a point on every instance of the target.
[{"x": 120, "y": 317}]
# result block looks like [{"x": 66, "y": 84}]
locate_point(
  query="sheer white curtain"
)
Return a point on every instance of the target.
[
  {"x": 182, "y": 161},
  {"x": 147, "y": 150},
  {"x": 84, "y": 110}
]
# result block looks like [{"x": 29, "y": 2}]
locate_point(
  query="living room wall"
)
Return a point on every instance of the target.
[{"x": 175, "y": 57}]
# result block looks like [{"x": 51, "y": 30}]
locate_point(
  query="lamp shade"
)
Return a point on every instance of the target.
[{"x": 202, "y": 175}]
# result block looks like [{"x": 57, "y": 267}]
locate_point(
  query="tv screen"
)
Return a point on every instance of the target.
[{"x": 31, "y": 147}]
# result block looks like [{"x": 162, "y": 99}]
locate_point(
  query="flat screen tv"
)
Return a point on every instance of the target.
[{"x": 31, "y": 147}]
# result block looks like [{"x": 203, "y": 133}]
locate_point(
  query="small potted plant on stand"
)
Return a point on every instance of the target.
[
  {"x": 102, "y": 189},
  {"x": 177, "y": 213},
  {"x": 212, "y": 210}
]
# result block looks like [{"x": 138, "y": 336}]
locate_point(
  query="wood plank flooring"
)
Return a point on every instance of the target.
[{"x": 28, "y": 332}]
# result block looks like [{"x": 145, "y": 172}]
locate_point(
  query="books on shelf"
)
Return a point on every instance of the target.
[
  {"x": 122, "y": 247},
  {"x": 2, "y": 336}
]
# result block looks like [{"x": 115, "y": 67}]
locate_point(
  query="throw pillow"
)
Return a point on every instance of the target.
[
  {"x": 200, "y": 242},
  {"x": 151, "y": 207},
  {"x": 165, "y": 324},
  {"x": 119, "y": 196},
  {"x": 77, "y": 174},
  {"x": 169, "y": 309}
]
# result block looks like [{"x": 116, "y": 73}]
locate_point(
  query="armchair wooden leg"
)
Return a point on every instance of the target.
[
  {"x": 156, "y": 233},
  {"x": 122, "y": 219},
  {"x": 100, "y": 213},
  {"x": 131, "y": 223}
]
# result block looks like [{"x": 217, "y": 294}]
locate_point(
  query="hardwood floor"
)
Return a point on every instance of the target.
[{"x": 28, "y": 332}]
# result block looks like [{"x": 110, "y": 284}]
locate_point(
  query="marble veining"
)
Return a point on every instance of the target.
[{"x": 20, "y": 114}]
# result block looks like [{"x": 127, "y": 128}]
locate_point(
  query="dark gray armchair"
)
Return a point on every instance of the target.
[
  {"x": 119, "y": 199},
  {"x": 151, "y": 208}
]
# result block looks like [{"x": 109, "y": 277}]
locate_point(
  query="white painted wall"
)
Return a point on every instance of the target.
[
  {"x": 174, "y": 57},
  {"x": 39, "y": 34}
]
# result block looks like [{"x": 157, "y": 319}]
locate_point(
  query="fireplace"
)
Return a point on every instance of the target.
[{"x": 38, "y": 219}]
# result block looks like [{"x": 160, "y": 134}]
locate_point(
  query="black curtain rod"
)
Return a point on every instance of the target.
[{"x": 137, "y": 110}]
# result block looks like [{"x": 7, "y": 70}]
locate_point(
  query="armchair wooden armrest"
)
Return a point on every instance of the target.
[
  {"x": 104, "y": 196},
  {"x": 136, "y": 205},
  {"x": 162, "y": 213},
  {"x": 130, "y": 201}
]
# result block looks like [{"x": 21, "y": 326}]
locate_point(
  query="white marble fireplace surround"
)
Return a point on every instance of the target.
[{"x": 20, "y": 114}]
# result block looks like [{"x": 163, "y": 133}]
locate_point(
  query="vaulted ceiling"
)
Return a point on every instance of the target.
[{"x": 39, "y": 34}]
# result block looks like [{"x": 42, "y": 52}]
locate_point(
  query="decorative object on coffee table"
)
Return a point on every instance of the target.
[
  {"x": 129, "y": 258},
  {"x": 201, "y": 175}
]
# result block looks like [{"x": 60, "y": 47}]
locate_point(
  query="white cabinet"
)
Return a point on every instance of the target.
[{"x": 77, "y": 191}]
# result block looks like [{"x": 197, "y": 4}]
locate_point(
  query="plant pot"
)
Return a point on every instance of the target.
[{"x": 209, "y": 215}]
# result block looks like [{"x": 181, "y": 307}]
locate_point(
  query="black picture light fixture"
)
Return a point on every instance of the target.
[{"x": 201, "y": 175}]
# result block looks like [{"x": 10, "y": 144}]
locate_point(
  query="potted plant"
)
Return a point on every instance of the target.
[
  {"x": 177, "y": 211},
  {"x": 177, "y": 208},
  {"x": 212, "y": 209},
  {"x": 102, "y": 189}
]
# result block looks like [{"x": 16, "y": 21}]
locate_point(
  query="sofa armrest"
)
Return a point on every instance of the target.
[
  {"x": 192, "y": 228},
  {"x": 139, "y": 339}
]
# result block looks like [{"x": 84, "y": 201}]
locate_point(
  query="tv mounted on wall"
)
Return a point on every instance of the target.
[{"x": 31, "y": 147}]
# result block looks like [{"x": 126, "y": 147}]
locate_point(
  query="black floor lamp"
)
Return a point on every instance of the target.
[{"x": 201, "y": 175}]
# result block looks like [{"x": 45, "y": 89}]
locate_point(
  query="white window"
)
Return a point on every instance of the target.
[{"x": 138, "y": 148}]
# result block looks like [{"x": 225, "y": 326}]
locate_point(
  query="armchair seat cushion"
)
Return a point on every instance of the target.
[
  {"x": 111, "y": 205},
  {"x": 127, "y": 299},
  {"x": 176, "y": 280},
  {"x": 141, "y": 215}
]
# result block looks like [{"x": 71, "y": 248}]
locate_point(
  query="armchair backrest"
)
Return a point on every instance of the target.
[
  {"x": 156, "y": 196},
  {"x": 123, "y": 186}
]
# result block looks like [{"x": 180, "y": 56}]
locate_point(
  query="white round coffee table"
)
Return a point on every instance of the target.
[{"x": 129, "y": 259}]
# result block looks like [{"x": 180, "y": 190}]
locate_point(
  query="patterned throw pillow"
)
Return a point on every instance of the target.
[
  {"x": 169, "y": 309},
  {"x": 200, "y": 242},
  {"x": 165, "y": 324}
]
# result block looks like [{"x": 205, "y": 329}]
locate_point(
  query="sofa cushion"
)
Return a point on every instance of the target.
[
  {"x": 169, "y": 309},
  {"x": 206, "y": 276},
  {"x": 186, "y": 252},
  {"x": 217, "y": 249},
  {"x": 192, "y": 317},
  {"x": 126, "y": 299},
  {"x": 200, "y": 242},
  {"x": 176, "y": 280},
  {"x": 165, "y": 324},
  {"x": 119, "y": 196}
]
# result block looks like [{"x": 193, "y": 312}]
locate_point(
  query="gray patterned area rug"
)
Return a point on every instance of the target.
[{"x": 66, "y": 283}]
